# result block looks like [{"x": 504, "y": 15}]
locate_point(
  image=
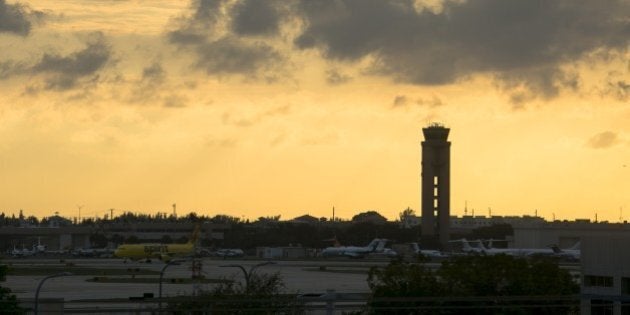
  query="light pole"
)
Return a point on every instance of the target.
[
  {"x": 61, "y": 274},
  {"x": 170, "y": 263},
  {"x": 249, "y": 273}
]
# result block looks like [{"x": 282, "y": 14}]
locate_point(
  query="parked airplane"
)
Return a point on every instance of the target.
[
  {"x": 36, "y": 249},
  {"x": 228, "y": 252},
  {"x": 430, "y": 253},
  {"x": 164, "y": 252},
  {"x": 519, "y": 252},
  {"x": 353, "y": 251}
]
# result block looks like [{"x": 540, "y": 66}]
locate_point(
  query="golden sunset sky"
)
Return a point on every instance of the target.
[{"x": 257, "y": 108}]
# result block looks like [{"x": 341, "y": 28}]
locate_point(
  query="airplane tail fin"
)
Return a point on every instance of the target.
[
  {"x": 465, "y": 245},
  {"x": 381, "y": 245},
  {"x": 480, "y": 245},
  {"x": 556, "y": 249},
  {"x": 373, "y": 244},
  {"x": 490, "y": 245},
  {"x": 575, "y": 246},
  {"x": 415, "y": 247}
]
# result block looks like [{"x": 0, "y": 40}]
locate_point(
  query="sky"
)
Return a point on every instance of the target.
[{"x": 259, "y": 108}]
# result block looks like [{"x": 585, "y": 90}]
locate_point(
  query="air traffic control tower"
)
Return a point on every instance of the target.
[{"x": 436, "y": 169}]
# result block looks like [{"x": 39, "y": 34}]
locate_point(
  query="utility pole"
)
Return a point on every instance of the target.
[{"x": 79, "y": 206}]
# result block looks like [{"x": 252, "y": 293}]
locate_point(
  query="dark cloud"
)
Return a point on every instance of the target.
[
  {"x": 228, "y": 54},
  {"x": 255, "y": 17},
  {"x": 64, "y": 72},
  {"x": 154, "y": 73},
  {"x": 400, "y": 100},
  {"x": 603, "y": 140},
  {"x": 195, "y": 28},
  {"x": 9, "y": 68},
  {"x": 334, "y": 77},
  {"x": 403, "y": 101},
  {"x": 149, "y": 88},
  {"x": 15, "y": 18},
  {"x": 620, "y": 89},
  {"x": 523, "y": 43}
]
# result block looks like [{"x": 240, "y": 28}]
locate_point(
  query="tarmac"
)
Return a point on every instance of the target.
[{"x": 300, "y": 277}]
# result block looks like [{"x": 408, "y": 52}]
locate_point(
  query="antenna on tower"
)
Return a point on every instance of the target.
[
  {"x": 465, "y": 207},
  {"x": 333, "y": 217},
  {"x": 79, "y": 206},
  {"x": 175, "y": 210}
]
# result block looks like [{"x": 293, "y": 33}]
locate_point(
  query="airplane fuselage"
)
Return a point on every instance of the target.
[{"x": 148, "y": 251}]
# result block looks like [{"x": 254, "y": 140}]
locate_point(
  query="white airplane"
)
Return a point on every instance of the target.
[
  {"x": 354, "y": 251},
  {"x": 518, "y": 252},
  {"x": 228, "y": 252},
  {"x": 430, "y": 253},
  {"x": 36, "y": 249},
  {"x": 522, "y": 252}
]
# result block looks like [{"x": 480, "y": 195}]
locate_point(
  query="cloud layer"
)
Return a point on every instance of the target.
[{"x": 523, "y": 43}]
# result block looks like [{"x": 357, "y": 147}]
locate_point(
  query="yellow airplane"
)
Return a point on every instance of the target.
[{"x": 164, "y": 252}]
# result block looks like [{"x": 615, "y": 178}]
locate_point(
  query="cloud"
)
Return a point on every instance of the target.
[
  {"x": 603, "y": 140},
  {"x": 15, "y": 18},
  {"x": 65, "y": 72},
  {"x": 230, "y": 55},
  {"x": 334, "y": 77},
  {"x": 620, "y": 89},
  {"x": 400, "y": 100},
  {"x": 9, "y": 68},
  {"x": 434, "y": 101},
  {"x": 523, "y": 43},
  {"x": 228, "y": 118},
  {"x": 222, "y": 51},
  {"x": 154, "y": 73},
  {"x": 195, "y": 28},
  {"x": 403, "y": 101},
  {"x": 255, "y": 17},
  {"x": 175, "y": 101}
]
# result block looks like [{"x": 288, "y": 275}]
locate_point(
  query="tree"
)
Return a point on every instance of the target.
[
  {"x": 482, "y": 284},
  {"x": 406, "y": 213},
  {"x": 400, "y": 280},
  {"x": 8, "y": 301},
  {"x": 369, "y": 216},
  {"x": 263, "y": 295}
]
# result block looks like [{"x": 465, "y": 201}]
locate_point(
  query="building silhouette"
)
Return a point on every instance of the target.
[{"x": 435, "y": 178}]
